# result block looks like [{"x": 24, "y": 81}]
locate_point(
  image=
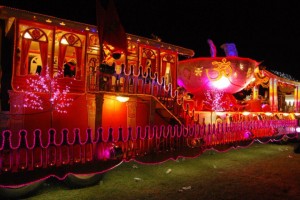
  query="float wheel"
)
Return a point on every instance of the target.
[
  {"x": 21, "y": 191},
  {"x": 80, "y": 181}
]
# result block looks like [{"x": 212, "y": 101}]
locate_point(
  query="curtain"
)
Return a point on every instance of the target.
[
  {"x": 24, "y": 53},
  {"x": 44, "y": 56},
  {"x": 78, "y": 51},
  {"x": 61, "y": 58}
]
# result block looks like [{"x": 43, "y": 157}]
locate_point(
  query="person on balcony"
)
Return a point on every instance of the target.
[{"x": 69, "y": 69}]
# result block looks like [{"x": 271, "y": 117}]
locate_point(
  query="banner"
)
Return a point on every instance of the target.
[{"x": 110, "y": 29}]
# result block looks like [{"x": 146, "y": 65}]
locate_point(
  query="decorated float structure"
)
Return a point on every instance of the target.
[{"x": 68, "y": 114}]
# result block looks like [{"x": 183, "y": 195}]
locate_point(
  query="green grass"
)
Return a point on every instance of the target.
[{"x": 268, "y": 171}]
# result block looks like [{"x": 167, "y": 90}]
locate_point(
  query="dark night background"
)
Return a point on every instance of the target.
[{"x": 264, "y": 30}]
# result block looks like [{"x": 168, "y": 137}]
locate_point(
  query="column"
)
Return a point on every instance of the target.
[{"x": 296, "y": 99}]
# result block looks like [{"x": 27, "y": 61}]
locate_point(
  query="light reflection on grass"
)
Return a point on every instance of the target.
[{"x": 261, "y": 171}]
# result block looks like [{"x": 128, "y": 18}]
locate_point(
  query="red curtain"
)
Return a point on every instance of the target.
[
  {"x": 24, "y": 53},
  {"x": 61, "y": 59},
  {"x": 78, "y": 51},
  {"x": 44, "y": 56}
]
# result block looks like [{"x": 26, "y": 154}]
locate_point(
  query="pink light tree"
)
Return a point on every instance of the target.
[
  {"x": 214, "y": 100},
  {"x": 58, "y": 97}
]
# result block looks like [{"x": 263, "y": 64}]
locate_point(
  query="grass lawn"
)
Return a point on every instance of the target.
[{"x": 261, "y": 171}]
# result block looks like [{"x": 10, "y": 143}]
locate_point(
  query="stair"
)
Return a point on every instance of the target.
[{"x": 161, "y": 110}]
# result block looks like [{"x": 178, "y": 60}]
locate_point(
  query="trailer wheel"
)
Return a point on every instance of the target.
[
  {"x": 21, "y": 191},
  {"x": 80, "y": 181},
  {"x": 297, "y": 148}
]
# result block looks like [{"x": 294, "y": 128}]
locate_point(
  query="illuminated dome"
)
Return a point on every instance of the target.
[{"x": 228, "y": 74}]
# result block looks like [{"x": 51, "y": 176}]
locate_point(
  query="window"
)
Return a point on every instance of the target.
[
  {"x": 68, "y": 50},
  {"x": 149, "y": 60},
  {"x": 32, "y": 53}
]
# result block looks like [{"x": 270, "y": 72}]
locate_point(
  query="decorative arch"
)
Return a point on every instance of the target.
[
  {"x": 70, "y": 39},
  {"x": 36, "y": 35},
  {"x": 149, "y": 60},
  {"x": 168, "y": 68}
]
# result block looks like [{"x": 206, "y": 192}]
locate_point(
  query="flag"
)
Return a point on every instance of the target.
[
  {"x": 100, "y": 17},
  {"x": 110, "y": 29},
  {"x": 230, "y": 49},
  {"x": 100, "y": 14},
  {"x": 213, "y": 50}
]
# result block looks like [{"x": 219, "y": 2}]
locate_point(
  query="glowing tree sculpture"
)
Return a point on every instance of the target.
[
  {"x": 214, "y": 100},
  {"x": 45, "y": 84}
]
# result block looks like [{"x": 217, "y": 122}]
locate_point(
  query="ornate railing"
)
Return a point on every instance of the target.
[
  {"x": 30, "y": 156},
  {"x": 143, "y": 83}
]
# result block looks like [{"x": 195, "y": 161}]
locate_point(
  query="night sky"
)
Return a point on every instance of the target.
[{"x": 263, "y": 30}]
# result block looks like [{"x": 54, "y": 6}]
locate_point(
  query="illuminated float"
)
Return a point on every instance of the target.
[
  {"x": 207, "y": 76},
  {"x": 229, "y": 74},
  {"x": 68, "y": 114}
]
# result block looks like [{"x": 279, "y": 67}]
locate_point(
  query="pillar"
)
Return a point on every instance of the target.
[
  {"x": 297, "y": 99},
  {"x": 273, "y": 96}
]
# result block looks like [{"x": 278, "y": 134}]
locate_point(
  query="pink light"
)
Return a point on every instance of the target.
[
  {"x": 247, "y": 135},
  {"x": 59, "y": 99},
  {"x": 214, "y": 100},
  {"x": 106, "y": 153},
  {"x": 222, "y": 83}
]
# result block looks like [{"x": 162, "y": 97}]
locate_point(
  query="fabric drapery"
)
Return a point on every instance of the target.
[
  {"x": 24, "y": 54},
  {"x": 61, "y": 58},
  {"x": 44, "y": 56},
  {"x": 78, "y": 51},
  {"x": 110, "y": 29}
]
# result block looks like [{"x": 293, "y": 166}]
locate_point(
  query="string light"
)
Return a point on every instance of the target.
[
  {"x": 283, "y": 75},
  {"x": 214, "y": 99},
  {"x": 38, "y": 85}
]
